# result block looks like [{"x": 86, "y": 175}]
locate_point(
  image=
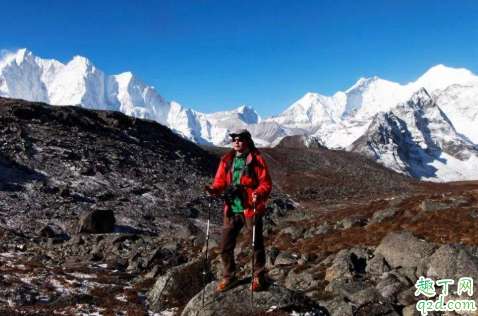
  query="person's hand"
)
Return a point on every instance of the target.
[
  {"x": 254, "y": 197},
  {"x": 209, "y": 191}
]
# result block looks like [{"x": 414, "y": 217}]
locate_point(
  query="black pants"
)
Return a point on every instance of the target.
[{"x": 231, "y": 227}]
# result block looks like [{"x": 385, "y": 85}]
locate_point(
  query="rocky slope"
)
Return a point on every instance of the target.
[
  {"x": 59, "y": 163},
  {"x": 344, "y": 235}
]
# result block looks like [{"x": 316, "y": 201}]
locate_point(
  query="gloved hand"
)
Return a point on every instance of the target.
[
  {"x": 209, "y": 191},
  {"x": 255, "y": 196}
]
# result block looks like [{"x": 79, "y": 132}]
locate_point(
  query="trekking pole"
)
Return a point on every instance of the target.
[
  {"x": 207, "y": 247},
  {"x": 253, "y": 241}
]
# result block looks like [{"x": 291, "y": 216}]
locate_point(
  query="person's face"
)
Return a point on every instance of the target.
[{"x": 240, "y": 144}]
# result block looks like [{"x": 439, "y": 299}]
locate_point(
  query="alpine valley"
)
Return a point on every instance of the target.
[{"x": 424, "y": 129}]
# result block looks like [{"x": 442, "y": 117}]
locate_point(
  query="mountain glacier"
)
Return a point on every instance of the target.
[{"x": 80, "y": 83}]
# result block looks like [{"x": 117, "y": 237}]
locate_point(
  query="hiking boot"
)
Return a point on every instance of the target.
[
  {"x": 227, "y": 284},
  {"x": 256, "y": 285}
]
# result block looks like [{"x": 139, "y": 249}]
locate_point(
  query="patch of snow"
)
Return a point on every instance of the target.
[
  {"x": 82, "y": 275},
  {"x": 167, "y": 312}
]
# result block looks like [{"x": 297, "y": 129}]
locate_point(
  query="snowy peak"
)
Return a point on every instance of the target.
[
  {"x": 421, "y": 98},
  {"x": 235, "y": 119},
  {"x": 81, "y": 83},
  {"x": 311, "y": 111},
  {"x": 81, "y": 63},
  {"x": 248, "y": 115},
  {"x": 416, "y": 138},
  {"x": 440, "y": 77},
  {"x": 362, "y": 84},
  {"x": 23, "y": 55}
]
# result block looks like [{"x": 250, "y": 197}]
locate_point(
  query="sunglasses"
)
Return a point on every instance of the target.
[{"x": 238, "y": 139}]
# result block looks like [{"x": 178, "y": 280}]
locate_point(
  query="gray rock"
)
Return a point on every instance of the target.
[
  {"x": 408, "y": 274},
  {"x": 98, "y": 222},
  {"x": 303, "y": 282},
  {"x": 403, "y": 249},
  {"x": 178, "y": 285},
  {"x": 377, "y": 308},
  {"x": 389, "y": 287},
  {"x": 162, "y": 256},
  {"x": 311, "y": 232},
  {"x": 153, "y": 273},
  {"x": 407, "y": 297},
  {"x": 350, "y": 222},
  {"x": 189, "y": 230},
  {"x": 385, "y": 214},
  {"x": 428, "y": 206},
  {"x": 174, "y": 246},
  {"x": 347, "y": 264},
  {"x": 295, "y": 232},
  {"x": 411, "y": 310},
  {"x": 325, "y": 228},
  {"x": 338, "y": 307},
  {"x": 377, "y": 266},
  {"x": 371, "y": 302},
  {"x": 460, "y": 200},
  {"x": 271, "y": 255},
  {"x": 239, "y": 298},
  {"x": 72, "y": 299},
  {"x": 46, "y": 231},
  {"x": 454, "y": 261},
  {"x": 346, "y": 288},
  {"x": 75, "y": 241},
  {"x": 397, "y": 200},
  {"x": 367, "y": 296},
  {"x": 213, "y": 243},
  {"x": 285, "y": 259},
  {"x": 64, "y": 191}
]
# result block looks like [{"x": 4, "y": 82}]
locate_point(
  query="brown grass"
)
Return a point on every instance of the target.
[{"x": 454, "y": 225}]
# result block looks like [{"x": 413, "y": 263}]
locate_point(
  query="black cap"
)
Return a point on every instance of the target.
[{"x": 241, "y": 133}]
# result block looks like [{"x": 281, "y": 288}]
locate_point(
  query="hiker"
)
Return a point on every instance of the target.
[{"x": 243, "y": 178}]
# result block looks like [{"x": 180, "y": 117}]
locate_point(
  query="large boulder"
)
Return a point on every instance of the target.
[
  {"x": 403, "y": 249},
  {"x": 98, "y": 222},
  {"x": 455, "y": 261},
  {"x": 178, "y": 286},
  {"x": 347, "y": 264},
  {"x": 238, "y": 299}
]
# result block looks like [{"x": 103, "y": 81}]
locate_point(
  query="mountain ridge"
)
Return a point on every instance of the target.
[{"x": 336, "y": 121}]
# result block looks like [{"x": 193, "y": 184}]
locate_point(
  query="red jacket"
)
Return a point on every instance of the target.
[{"x": 257, "y": 181}]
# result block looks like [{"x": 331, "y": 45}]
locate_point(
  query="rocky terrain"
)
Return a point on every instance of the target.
[{"x": 104, "y": 214}]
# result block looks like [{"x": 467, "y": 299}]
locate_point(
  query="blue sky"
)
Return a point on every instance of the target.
[{"x": 218, "y": 55}]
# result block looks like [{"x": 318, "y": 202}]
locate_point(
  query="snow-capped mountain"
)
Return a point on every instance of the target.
[
  {"x": 312, "y": 111},
  {"x": 460, "y": 103},
  {"x": 341, "y": 119},
  {"x": 80, "y": 83},
  {"x": 418, "y": 139},
  {"x": 371, "y": 111}
]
